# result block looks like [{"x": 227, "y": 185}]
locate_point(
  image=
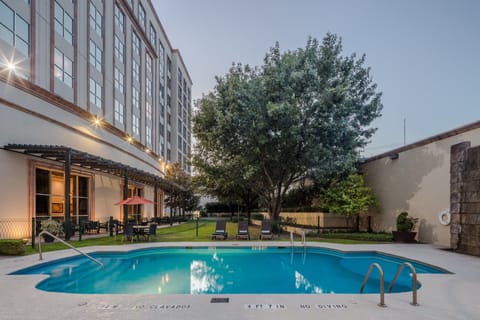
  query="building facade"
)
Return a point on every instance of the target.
[
  {"x": 421, "y": 179},
  {"x": 98, "y": 77}
]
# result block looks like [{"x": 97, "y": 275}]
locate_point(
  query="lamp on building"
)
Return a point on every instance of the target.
[
  {"x": 97, "y": 121},
  {"x": 129, "y": 139},
  {"x": 393, "y": 156}
]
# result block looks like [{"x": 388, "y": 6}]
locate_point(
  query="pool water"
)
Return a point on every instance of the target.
[{"x": 224, "y": 271}]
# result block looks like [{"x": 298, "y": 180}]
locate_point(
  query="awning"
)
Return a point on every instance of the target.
[{"x": 95, "y": 163}]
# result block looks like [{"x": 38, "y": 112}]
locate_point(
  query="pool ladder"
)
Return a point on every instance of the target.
[
  {"x": 68, "y": 245},
  {"x": 304, "y": 245},
  {"x": 304, "y": 240},
  {"x": 382, "y": 283}
]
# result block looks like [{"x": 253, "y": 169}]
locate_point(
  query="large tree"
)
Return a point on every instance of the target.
[{"x": 303, "y": 113}]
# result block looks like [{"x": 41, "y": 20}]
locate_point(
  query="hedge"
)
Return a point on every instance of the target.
[{"x": 12, "y": 247}]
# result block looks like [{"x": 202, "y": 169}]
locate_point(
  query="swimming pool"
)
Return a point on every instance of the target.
[{"x": 253, "y": 270}]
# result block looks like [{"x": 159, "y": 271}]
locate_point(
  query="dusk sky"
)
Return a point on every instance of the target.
[{"x": 424, "y": 54}]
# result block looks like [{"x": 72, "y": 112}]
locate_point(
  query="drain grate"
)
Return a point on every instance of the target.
[{"x": 220, "y": 300}]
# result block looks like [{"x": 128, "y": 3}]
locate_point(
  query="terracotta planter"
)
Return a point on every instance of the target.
[{"x": 404, "y": 236}]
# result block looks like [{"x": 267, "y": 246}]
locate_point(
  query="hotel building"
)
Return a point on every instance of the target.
[{"x": 94, "y": 104}]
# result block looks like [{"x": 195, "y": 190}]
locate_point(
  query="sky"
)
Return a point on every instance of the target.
[{"x": 424, "y": 55}]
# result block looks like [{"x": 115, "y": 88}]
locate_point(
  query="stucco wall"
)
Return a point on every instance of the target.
[
  {"x": 14, "y": 213},
  {"x": 418, "y": 181}
]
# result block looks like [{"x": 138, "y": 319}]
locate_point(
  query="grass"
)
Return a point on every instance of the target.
[{"x": 187, "y": 232}]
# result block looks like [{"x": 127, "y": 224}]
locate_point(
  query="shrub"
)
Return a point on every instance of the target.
[
  {"x": 405, "y": 223},
  {"x": 12, "y": 247},
  {"x": 52, "y": 226}
]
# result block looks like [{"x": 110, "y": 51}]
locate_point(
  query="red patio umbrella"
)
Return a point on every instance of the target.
[{"x": 134, "y": 200}]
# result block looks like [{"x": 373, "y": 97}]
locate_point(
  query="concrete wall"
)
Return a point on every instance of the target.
[{"x": 418, "y": 181}]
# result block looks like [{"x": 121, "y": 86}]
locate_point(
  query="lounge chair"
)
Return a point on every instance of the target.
[
  {"x": 220, "y": 230},
  {"x": 266, "y": 232},
  {"x": 242, "y": 232}
]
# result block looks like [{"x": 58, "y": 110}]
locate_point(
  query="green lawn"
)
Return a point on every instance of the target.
[{"x": 187, "y": 232}]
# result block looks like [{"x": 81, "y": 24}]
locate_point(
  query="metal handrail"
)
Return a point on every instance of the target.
[
  {"x": 414, "y": 281},
  {"x": 382, "y": 290},
  {"x": 304, "y": 239},
  {"x": 68, "y": 245},
  {"x": 291, "y": 239}
]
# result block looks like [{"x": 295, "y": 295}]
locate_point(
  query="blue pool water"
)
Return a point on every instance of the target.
[{"x": 223, "y": 270}]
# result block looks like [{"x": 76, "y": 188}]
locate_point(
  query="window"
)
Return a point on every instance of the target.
[
  {"x": 130, "y": 3},
  {"x": 119, "y": 18},
  {"x": 148, "y": 87},
  {"x": 136, "y": 71},
  {"x": 95, "y": 93},
  {"x": 162, "y": 93},
  {"x": 153, "y": 36},
  {"x": 180, "y": 77},
  {"x": 169, "y": 118},
  {"x": 141, "y": 16},
  {"x": 169, "y": 155},
  {"x": 148, "y": 64},
  {"x": 162, "y": 149},
  {"x": 63, "y": 23},
  {"x": 169, "y": 64},
  {"x": 118, "y": 111},
  {"x": 95, "y": 19},
  {"x": 179, "y": 93},
  {"x": 148, "y": 135},
  {"x": 63, "y": 68},
  {"x": 148, "y": 108},
  {"x": 161, "y": 61},
  {"x": 135, "y": 43},
  {"x": 169, "y": 83},
  {"x": 135, "y": 98},
  {"x": 14, "y": 30},
  {"x": 169, "y": 136},
  {"x": 95, "y": 56},
  {"x": 50, "y": 195},
  {"x": 135, "y": 125},
  {"x": 119, "y": 49},
  {"x": 119, "y": 80},
  {"x": 169, "y": 103},
  {"x": 179, "y": 141}
]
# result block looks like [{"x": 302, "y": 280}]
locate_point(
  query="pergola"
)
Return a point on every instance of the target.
[{"x": 72, "y": 157}]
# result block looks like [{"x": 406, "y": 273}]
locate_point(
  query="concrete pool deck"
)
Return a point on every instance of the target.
[{"x": 442, "y": 296}]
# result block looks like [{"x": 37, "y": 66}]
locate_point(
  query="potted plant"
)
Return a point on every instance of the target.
[
  {"x": 52, "y": 226},
  {"x": 405, "y": 225}
]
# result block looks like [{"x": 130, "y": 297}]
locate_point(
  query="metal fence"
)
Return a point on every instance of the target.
[{"x": 15, "y": 228}]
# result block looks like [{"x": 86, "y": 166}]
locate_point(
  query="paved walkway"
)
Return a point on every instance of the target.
[{"x": 447, "y": 296}]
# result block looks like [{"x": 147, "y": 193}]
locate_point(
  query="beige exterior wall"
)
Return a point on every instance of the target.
[
  {"x": 38, "y": 108},
  {"x": 417, "y": 182}
]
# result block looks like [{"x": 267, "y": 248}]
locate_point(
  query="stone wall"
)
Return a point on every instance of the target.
[{"x": 465, "y": 198}]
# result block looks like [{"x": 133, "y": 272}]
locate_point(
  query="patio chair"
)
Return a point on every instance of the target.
[
  {"x": 152, "y": 231},
  {"x": 220, "y": 230},
  {"x": 128, "y": 232},
  {"x": 266, "y": 231},
  {"x": 242, "y": 232}
]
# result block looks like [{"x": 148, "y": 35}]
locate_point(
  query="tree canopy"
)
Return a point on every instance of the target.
[{"x": 303, "y": 113}]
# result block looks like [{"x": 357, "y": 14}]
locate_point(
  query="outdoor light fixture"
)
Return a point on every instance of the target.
[
  {"x": 97, "y": 121},
  {"x": 147, "y": 150},
  {"x": 129, "y": 139},
  {"x": 11, "y": 66},
  {"x": 393, "y": 156}
]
